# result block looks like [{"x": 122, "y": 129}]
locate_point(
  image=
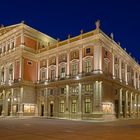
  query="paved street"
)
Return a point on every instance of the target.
[{"x": 53, "y": 129}]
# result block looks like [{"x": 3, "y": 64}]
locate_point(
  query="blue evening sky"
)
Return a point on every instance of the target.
[{"x": 58, "y": 18}]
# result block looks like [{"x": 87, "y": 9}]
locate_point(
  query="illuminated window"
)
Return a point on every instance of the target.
[
  {"x": 73, "y": 106},
  {"x": 74, "y": 68},
  {"x": 107, "y": 107},
  {"x": 87, "y": 87},
  {"x": 63, "y": 72},
  {"x": 87, "y": 66},
  {"x": 43, "y": 74},
  {"x": 74, "y": 89},
  {"x": 10, "y": 72},
  {"x": 62, "y": 108},
  {"x": 29, "y": 109},
  {"x": 53, "y": 74},
  {"x": 87, "y": 105},
  {"x": 15, "y": 108}
]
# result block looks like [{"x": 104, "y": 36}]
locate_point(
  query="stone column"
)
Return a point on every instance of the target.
[
  {"x": 47, "y": 69},
  {"x": 80, "y": 61},
  {"x": 4, "y": 103},
  {"x": 131, "y": 104},
  {"x": 45, "y": 102},
  {"x": 135, "y": 79},
  {"x": 38, "y": 78},
  {"x": 113, "y": 66},
  {"x": 120, "y": 70},
  {"x": 138, "y": 82},
  {"x": 126, "y": 79},
  {"x": 120, "y": 103},
  {"x": 97, "y": 99},
  {"x": 68, "y": 64},
  {"x": 138, "y": 105},
  {"x": 5, "y": 73},
  {"x": 22, "y": 37},
  {"x": 20, "y": 108},
  {"x": 13, "y": 70},
  {"x": 12, "y": 98},
  {"x": 126, "y": 104},
  {"x": 80, "y": 100},
  {"x": 98, "y": 59},
  {"x": 67, "y": 101},
  {"x": 135, "y": 104},
  {"x": 56, "y": 68},
  {"x": 21, "y": 69}
]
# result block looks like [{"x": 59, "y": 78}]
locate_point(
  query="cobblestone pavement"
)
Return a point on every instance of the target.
[{"x": 54, "y": 129}]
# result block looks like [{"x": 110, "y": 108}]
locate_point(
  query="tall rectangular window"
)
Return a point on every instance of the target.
[
  {"x": 43, "y": 76},
  {"x": 52, "y": 74},
  {"x": 87, "y": 66},
  {"x": 63, "y": 72},
  {"x": 62, "y": 108},
  {"x": 73, "y": 106},
  {"x": 87, "y": 50},
  {"x": 87, "y": 105},
  {"x": 74, "y": 69}
]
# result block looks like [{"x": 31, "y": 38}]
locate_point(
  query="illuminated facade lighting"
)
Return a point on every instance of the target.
[{"x": 84, "y": 77}]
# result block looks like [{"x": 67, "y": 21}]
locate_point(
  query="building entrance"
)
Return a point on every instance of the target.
[
  {"x": 116, "y": 108},
  {"x": 51, "y": 110},
  {"x": 0, "y": 110},
  {"x": 42, "y": 109},
  {"x": 9, "y": 107}
]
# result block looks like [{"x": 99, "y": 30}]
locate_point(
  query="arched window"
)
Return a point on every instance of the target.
[
  {"x": 43, "y": 74},
  {"x": 87, "y": 66},
  {"x": 74, "y": 69},
  {"x": 11, "y": 72}
]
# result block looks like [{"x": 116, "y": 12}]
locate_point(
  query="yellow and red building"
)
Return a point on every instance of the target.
[{"x": 84, "y": 77}]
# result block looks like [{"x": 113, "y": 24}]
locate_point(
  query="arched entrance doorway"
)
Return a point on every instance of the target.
[
  {"x": 42, "y": 109},
  {"x": 51, "y": 108}
]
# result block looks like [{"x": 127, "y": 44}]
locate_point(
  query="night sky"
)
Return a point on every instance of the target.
[{"x": 58, "y": 18}]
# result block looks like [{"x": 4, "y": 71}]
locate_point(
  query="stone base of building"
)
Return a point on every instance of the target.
[{"x": 109, "y": 117}]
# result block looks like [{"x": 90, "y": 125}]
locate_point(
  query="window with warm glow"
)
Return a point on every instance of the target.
[
  {"x": 29, "y": 109},
  {"x": 74, "y": 69},
  {"x": 87, "y": 106},
  {"x": 62, "y": 108},
  {"x": 73, "y": 106},
  {"x": 107, "y": 107},
  {"x": 87, "y": 66}
]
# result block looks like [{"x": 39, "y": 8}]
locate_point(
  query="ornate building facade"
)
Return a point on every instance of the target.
[{"x": 84, "y": 77}]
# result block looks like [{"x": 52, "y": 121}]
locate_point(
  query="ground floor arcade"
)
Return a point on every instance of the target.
[{"x": 84, "y": 100}]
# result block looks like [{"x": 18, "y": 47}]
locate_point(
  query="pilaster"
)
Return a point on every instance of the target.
[
  {"x": 97, "y": 100},
  {"x": 68, "y": 64},
  {"x": 120, "y": 70},
  {"x": 120, "y": 113},
  {"x": 98, "y": 59},
  {"x": 113, "y": 66},
  {"x": 80, "y": 61},
  {"x": 126, "y": 79}
]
